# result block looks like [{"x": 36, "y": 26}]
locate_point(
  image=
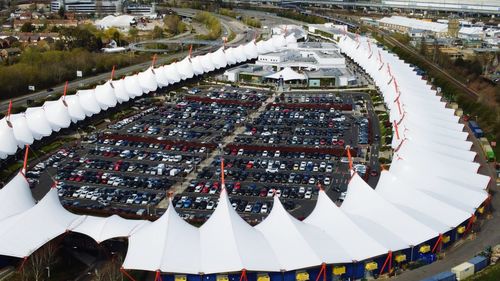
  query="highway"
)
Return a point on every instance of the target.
[{"x": 228, "y": 25}]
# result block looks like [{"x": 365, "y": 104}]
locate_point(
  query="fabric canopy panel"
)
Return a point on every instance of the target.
[
  {"x": 88, "y": 102},
  {"x": 197, "y": 66},
  {"x": 133, "y": 87},
  {"x": 38, "y": 123},
  {"x": 229, "y": 244},
  {"x": 303, "y": 245},
  {"x": 386, "y": 223},
  {"x": 121, "y": 92},
  {"x": 57, "y": 114},
  {"x": 15, "y": 197},
  {"x": 159, "y": 246},
  {"x": 101, "y": 229},
  {"x": 329, "y": 218},
  {"x": 147, "y": 80},
  {"x": 8, "y": 142},
  {"x": 287, "y": 74},
  {"x": 185, "y": 68},
  {"x": 21, "y": 130},
  {"x": 105, "y": 95},
  {"x": 18, "y": 237},
  {"x": 75, "y": 110}
]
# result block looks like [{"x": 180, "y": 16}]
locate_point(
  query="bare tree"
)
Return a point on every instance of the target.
[{"x": 37, "y": 264}]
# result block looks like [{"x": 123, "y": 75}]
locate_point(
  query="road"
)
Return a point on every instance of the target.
[{"x": 100, "y": 78}]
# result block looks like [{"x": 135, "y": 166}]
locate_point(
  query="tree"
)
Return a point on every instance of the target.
[
  {"x": 78, "y": 37},
  {"x": 171, "y": 22},
  {"x": 157, "y": 32},
  {"x": 61, "y": 12},
  {"x": 133, "y": 33},
  {"x": 27, "y": 27}
]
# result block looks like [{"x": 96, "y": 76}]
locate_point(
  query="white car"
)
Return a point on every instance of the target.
[
  {"x": 308, "y": 195},
  {"x": 263, "y": 210},
  {"x": 342, "y": 196},
  {"x": 327, "y": 181}
]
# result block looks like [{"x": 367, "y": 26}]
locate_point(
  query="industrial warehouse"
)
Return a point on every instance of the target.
[{"x": 414, "y": 212}]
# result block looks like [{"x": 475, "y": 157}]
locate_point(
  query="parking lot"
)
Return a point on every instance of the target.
[
  {"x": 292, "y": 148},
  {"x": 289, "y": 145}
]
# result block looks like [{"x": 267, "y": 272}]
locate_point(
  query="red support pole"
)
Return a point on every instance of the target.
[
  {"x": 65, "y": 89},
  {"x": 124, "y": 272},
  {"x": 154, "y": 61},
  {"x": 25, "y": 163},
  {"x": 22, "y": 264},
  {"x": 190, "y": 50},
  {"x": 398, "y": 103},
  {"x": 222, "y": 182},
  {"x": 158, "y": 276},
  {"x": 388, "y": 260},
  {"x": 438, "y": 243},
  {"x": 471, "y": 222},
  {"x": 9, "y": 110},
  {"x": 243, "y": 276},
  {"x": 349, "y": 157},
  {"x": 113, "y": 73},
  {"x": 322, "y": 271}
]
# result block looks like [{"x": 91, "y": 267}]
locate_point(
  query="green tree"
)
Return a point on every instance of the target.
[
  {"x": 171, "y": 23},
  {"x": 61, "y": 12},
  {"x": 79, "y": 37},
  {"x": 157, "y": 33},
  {"x": 133, "y": 33},
  {"x": 423, "y": 47},
  {"x": 27, "y": 27}
]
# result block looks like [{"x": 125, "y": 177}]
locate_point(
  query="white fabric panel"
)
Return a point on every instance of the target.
[
  {"x": 304, "y": 245},
  {"x": 23, "y": 234},
  {"x": 185, "y": 68},
  {"x": 8, "y": 142},
  {"x": 197, "y": 66},
  {"x": 290, "y": 39},
  {"x": 219, "y": 58},
  {"x": 330, "y": 219},
  {"x": 229, "y": 244},
  {"x": 435, "y": 213},
  {"x": 168, "y": 244},
  {"x": 88, "y": 102},
  {"x": 386, "y": 223},
  {"x": 206, "y": 62},
  {"x": 147, "y": 80},
  {"x": 239, "y": 54},
  {"x": 15, "y": 197},
  {"x": 251, "y": 50},
  {"x": 57, "y": 114},
  {"x": 171, "y": 73},
  {"x": 38, "y": 123},
  {"x": 75, "y": 110},
  {"x": 101, "y": 229},
  {"x": 121, "y": 92},
  {"x": 22, "y": 132},
  {"x": 105, "y": 95},
  {"x": 133, "y": 87},
  {"x": 230, "y": 57}
]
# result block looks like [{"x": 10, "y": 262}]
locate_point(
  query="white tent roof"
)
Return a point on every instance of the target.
[
  {"x": 229, "y": 244},
  {"x": 147, "y": 80},
  {"x": 251, "y": 50},
  {"x": 435, "y": 213},
  {"x": 239, "y": 54},
  {"x": 57, "y": 114},
  {"x": 133, "y": 87},
  {"x": 121, "y": 92},
  {"x": 15, "y": 197},
  {"x": 8, "y": 142},
  {"x": 206, "y": 62},
  {"x": 334, "y": 222},
  {"x": 22, "y": 132},
  {"x": 171, "y": 73},
  {"x": 287, "y": 74},
  {"x": 230, "y": 57},
  {"x": 101, "y": 229},
  {"x": 75, "y": 110},
  {"x": 197, "y": 66},
  {"x": 168, "y": 244},
  {"x": 386, "y": 223},
  {"x": 304, "y": 245},
  {"x": 18, "y": 237},
  {"x": 105, "y": 95},
  {"x": 38, "y": 123},
  {"x": 185, "y": 69},
  {"x": 88, "y": 102},
  {"x": 219, "y": 58}
]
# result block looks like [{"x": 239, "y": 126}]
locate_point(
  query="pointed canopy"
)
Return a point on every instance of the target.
[
  {"x": 75, "y": 110},
  {"x": 133, "y": 87},
  {"x": 15, "y": 197},
  {"x": 8, "y": 142},
  {"x": 332, "y": 220},
  {"x": 147, "y": 80},
  {"x": 185, "y": 69},
  {"x": 88, "y": 102},
  {"x": 168, "y": 244},
  {"x": 105, "y": 95},
  {"x": 18, "y": 237},
  {"x": 287, "y": 74},
  {"x": 57, "y": 114},
  {"x": 38, "y": 123},
  {"x": 121, "y": 92},
  {"x": 228, "y": 243},
  {"x": 197, "y": 66}
]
